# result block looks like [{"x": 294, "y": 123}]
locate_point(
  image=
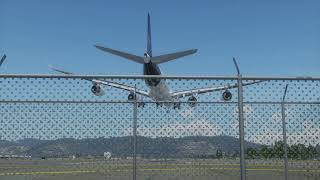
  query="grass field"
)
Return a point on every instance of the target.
[{"x": 187, "y": 169}]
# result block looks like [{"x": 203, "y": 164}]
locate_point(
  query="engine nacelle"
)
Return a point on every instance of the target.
[
  {"x": 192, "y": 101},
  {"x": 227, "y": 95},
  {"x": 97, "y": 90},
  {"x": 132, "y": 97}
]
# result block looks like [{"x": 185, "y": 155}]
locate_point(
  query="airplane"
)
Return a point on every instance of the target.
[
  {"x": 2, "y": 59},
  {"x": 158, "y": 89}
]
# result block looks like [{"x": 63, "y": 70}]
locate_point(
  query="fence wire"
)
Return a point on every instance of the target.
[{"x": 55, "y": 126}]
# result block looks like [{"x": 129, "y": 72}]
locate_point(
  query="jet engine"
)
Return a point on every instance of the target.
[
  {"x": 226, "y": 95},
  {"x": 192, "y": 101},
  {"x": 132, "y": 97},
  {"x": 97, "y": 90}
]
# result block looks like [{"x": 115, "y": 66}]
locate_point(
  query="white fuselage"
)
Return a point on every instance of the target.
[{"x": 160, "y": 92}]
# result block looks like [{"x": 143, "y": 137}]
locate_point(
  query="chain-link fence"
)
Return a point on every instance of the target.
[{"x": 55, "y": 127}]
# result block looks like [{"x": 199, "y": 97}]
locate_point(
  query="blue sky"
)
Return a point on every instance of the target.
[{"x": 268, "y": 38}]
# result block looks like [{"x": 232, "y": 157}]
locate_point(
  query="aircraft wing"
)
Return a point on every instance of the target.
[
  {"x": 120, "y": 86},
  {"x": 168, "y": 57},
  {"x": 180, "y": 94},
  {"x": 109, "y": 83},
  {"x": 132, "y": 57}
]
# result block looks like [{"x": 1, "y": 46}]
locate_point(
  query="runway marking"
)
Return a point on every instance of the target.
[
  {"x": 147, "y": 165},
  {"x": 150, "y": 169},
  {"x": 46, "y": 172}
]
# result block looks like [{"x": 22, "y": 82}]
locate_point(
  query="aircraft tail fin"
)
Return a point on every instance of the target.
[
  {"x": 2, "y": 59},
  {"x": 148, "y": 54},
  {"x": 166, "y": 57},
  {"x": 149, "y": 45}
]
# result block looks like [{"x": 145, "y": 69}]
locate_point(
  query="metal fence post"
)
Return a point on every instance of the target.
[
  {"x": 241, "y": 124},
  {"x": 135, "y": 118},
  {"x": 241, "y": 129},
  {"x": 284, "y": 134}
]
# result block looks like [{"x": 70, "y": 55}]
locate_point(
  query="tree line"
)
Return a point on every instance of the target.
[{"x": 296, "y": 151}]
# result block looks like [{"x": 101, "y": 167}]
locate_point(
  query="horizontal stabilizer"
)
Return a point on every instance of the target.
[
  {"x": 132, "y": 57},
  {"x": 168, "y": 57},
  {"x": 2, "y": 59}
]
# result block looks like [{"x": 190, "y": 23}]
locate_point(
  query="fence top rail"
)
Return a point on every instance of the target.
[
  {"x": 153, "y": 102},
  {"x": 157, "y": 77}
]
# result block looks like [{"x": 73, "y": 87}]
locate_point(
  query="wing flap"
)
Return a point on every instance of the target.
[
  {"x": 180, "y": 94},
  {"x": 108, "y": 83},
  {"x": 121, "y": 86}
]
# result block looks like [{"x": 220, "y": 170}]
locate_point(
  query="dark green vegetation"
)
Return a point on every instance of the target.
[
  {"x": 198, "y": 147},
  {"x": 296, "y": 151},
  {"x": 161, "y": 147}
]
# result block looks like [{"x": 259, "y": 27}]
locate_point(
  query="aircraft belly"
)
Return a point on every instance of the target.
[{"x": 160, "y": 92}]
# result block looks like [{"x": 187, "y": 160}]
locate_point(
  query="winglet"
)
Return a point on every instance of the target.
[{"x": 2, "y": 59}]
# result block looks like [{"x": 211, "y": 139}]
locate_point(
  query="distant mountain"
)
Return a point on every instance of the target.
[{"x": 195, "y": 146}]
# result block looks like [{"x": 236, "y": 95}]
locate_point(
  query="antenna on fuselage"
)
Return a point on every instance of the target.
[
  {"x": 236, "y": 65},
  {"x": 2, "y": 59}
]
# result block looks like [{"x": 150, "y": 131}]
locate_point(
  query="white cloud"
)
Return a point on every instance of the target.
[
  {"x": 267, "y": 136},
  {"x": 309, "y": 134},
  {"x": 276, "y": 117},
  {"x": 194, "y": 128},
  {"x": 270, "y": 130},
  {"x": 247, "y": 110},
  {"x": 186, "y": 112}
]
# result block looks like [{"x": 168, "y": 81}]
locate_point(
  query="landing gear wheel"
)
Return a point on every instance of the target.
[
  {"x": 131, "y": 97},
  {"x": 176, "y": 105},
  {"x": 141, "y": 104}
]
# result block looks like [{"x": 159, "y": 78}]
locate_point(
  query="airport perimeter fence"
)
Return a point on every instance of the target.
[{"x": 53, "y": 126}]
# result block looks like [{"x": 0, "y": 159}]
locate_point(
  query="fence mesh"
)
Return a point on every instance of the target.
[{"x": 55, "y": 127}]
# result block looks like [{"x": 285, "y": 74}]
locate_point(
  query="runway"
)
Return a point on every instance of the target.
[{"x": 66, "y": 168}]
